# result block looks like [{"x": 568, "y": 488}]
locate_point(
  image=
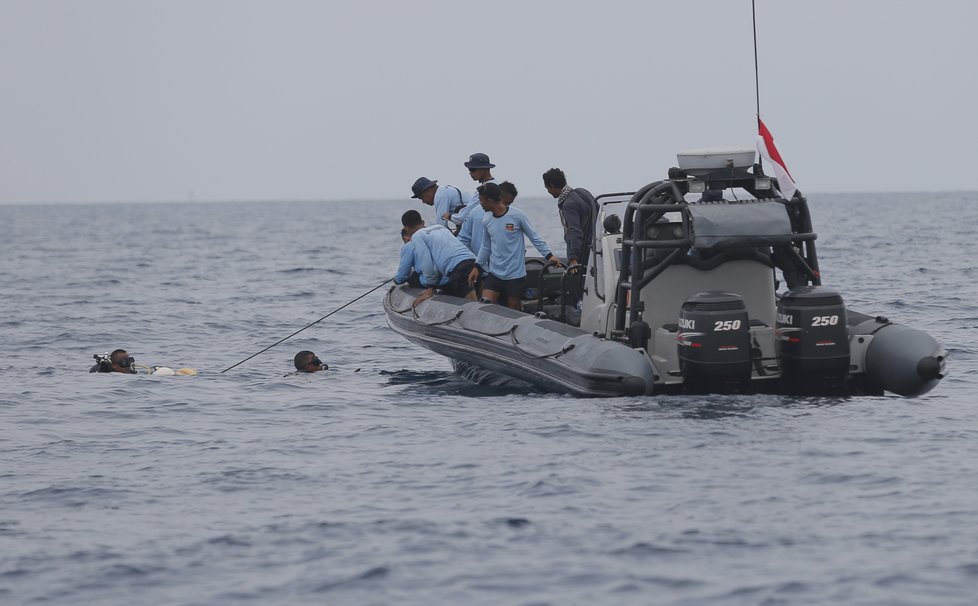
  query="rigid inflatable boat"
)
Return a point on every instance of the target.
[{"x": 687, "y": 292}]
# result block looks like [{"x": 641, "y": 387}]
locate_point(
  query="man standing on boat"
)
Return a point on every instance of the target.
[
  {"x": 577, "y": 210},
  {"x": 508, "y": 193},
  {"x": 503, "y": 252},
  {"x": 472, "y": 232},
  {"x": 446, "y": 199},
  {"x": 480, "y": 170}
]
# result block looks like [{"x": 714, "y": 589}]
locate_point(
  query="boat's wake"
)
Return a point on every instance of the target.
[{"x": 469, "y": 382}]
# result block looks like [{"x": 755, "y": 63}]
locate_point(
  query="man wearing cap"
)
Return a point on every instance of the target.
[
  {"x": 480, "y": 171},
  {"x": 577, "y": 210},
  {"x": 446, "y": 200}
]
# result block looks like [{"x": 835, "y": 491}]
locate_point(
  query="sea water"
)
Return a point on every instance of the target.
[{"x": 389, "y": 480}]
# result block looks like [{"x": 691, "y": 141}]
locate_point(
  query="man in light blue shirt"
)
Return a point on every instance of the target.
[
  {"x": 480, "y": 170},
  {"x": 471, "y": 232},
  {"x": 410, "y": 264},
  {"x": 443, "y": 259},
  {"x": 447, "y": 199},
  {"x": 503, "y": 252},
  {"x": 406, "y": 264},
  {"x": 508, "y": 193}
]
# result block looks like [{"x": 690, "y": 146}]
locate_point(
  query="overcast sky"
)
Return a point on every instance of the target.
[{"x": 246, "y": 99}]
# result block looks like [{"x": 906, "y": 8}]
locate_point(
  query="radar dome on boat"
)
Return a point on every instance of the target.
[{"x": 705, "y": 160}]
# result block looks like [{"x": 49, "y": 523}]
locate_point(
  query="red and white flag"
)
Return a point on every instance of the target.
[{"x": 765, "y": 146}]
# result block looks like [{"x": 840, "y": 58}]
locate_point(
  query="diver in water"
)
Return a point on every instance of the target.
[
  {"x": 118, "y": 361},
  {"x": 306, "y": 361}
]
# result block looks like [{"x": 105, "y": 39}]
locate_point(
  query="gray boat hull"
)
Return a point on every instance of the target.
[{"x": 514, "y": 345}]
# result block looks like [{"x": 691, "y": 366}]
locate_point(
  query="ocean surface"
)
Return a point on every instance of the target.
[{"x": 389, "y": 480}]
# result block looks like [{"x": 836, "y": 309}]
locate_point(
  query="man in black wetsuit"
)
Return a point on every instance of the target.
[
  {"x": 306, "y": 361},
  {"x": 118, "y": 361}
]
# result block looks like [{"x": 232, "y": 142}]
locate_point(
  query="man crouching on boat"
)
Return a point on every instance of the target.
[
  {"x": 503, "y": 251},
  {"x": 439, "y": 255},
  {"x": 408, "y": 264}
]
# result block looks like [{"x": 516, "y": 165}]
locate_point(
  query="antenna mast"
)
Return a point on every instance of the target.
[{"x": 757, "y": 86}]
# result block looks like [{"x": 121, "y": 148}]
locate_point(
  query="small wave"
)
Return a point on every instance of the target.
[
  {"x": 93, "y": 555},
  {"x": 122, "y": 571},
  {"x": 647, "y": 550},
  {"x": 555, "y": 485},
  {"x": 9, "y": 528},
  {"x": 862, "y": 479},
  {"x": 94, "y": 283},
  {"x": 416, "y": 377},
  {"x": 445, "y": 383},
  {"x": 372, "y": 574},
  {"x": 562, "y": 431},
  {"x": 73, "y": 496},
  {"x": 229, "y": 541},
  {"x": 312, "y": 270},
  {"x": 666, "y": 582},
  {"x": 234, "y": 480}
]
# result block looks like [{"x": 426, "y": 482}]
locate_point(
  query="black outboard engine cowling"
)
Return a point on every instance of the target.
[
  {"x": 813, "y": 341},
  {"x": 714, "y": 343}
]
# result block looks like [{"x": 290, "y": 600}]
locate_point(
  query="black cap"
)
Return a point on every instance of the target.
[
  {"x": 422, "y": 184},
  {"x": 479, "y": 161}
]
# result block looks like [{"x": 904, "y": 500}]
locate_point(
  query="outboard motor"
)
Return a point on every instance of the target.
[
  {"x": 813, "y": 341},
  {"x": 714, "y": 343}
]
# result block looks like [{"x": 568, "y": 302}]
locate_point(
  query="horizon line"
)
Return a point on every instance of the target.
[{"x": 380, "y": 199}]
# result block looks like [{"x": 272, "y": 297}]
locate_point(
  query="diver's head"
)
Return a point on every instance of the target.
[
  {"x": 306, "y": 361},
  {"x": 122, "y": 362}
]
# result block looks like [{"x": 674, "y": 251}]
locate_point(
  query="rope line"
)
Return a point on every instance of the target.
[{"x": 282, "y": 340}]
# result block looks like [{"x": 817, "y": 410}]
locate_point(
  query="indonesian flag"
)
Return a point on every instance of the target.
[{"x": 765, "y": 146}]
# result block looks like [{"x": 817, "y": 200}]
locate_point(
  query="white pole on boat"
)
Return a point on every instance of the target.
[
  {"x": 757, "y": 86},
  {"x": 308, "y": 325}
]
